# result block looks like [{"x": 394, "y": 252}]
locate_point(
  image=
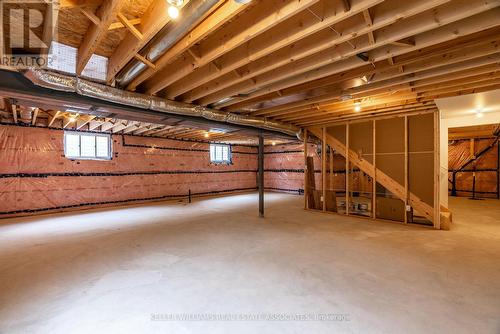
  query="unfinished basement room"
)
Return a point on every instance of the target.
[{"x": 250, "y": 166}]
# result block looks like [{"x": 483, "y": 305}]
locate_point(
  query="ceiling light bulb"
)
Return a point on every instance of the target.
[
  {"x": 206, "y": 135},
  {"x": 72, "y": 119},
  {"x": 173, "y": 12},
  {"x": 273, "y": 143},
  {"x": 479, "y": 114},
  {"x": 176, "y": 3},
  {"x": 357, "y": 107}
]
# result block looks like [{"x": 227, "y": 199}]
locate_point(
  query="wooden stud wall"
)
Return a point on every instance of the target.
[{"x": 403, "y": 159}]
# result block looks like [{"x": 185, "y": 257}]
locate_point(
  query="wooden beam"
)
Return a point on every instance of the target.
[
  {"x": 431, "y": 32},
  {"x": 154, "y": 19},
  {"x": 277, "y": 46},
  {"x": 131, "y": 127},
  {"x": 35, "y": 115},
  {"x": 96, "y": 33},
  {"x": 149, "y": 127},
  {"x": 68, "y": 120},
  {"x": 81, "y": 122},
  {"x": 94, "y": 124},
  {"x": 322, "y": 43},
  {"x": 52, "y": 118},
  {"x": 235, "y": 35},
  {"x": 437, "y": 64},
  {"x": 119, "y": 25},
  {"x": 144, "y": 61},
  {"x": 79, "y": 3},
  {"x": 90, "y": 15},
  {"x": 371, "y": 37},
  {"x": 404, "y": 42},
  {"x": 137, "y": 34},
  {"x": 50, "y": 23},
  {"x": 109, "y": 125},
  {"x": 432, "y": 75},
  {"x": 367, "y": 17}
]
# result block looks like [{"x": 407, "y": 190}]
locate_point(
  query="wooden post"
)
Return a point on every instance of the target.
[{"x": 323, "y": 167}]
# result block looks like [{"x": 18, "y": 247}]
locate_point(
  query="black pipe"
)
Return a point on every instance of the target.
[
  {"x": 261, "y": 175},
  {"x": 454, "y": 185},
  {"x": 473, "y": 185}
]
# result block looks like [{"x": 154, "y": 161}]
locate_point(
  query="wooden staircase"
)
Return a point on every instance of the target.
[{"x": 390, "y": 184}]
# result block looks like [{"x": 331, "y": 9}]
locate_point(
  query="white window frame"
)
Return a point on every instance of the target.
[
  {"x": 82, "y": 134},
  {"x": 227, "y": 161}
]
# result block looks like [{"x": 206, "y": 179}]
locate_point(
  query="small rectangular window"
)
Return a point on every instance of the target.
[
  {"x": 88, "y": 146},
  {"x": 220, "y": 153}
]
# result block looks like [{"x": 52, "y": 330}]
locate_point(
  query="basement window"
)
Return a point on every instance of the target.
[
  {"x": 220, "y": 154},
  {"x": 87, "y": 146}
]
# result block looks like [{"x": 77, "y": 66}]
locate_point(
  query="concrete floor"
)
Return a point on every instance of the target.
[{"x": 108, "y": 271}]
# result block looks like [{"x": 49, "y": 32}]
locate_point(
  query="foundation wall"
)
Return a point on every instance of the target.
[
  {"x": 485, "y": 168},
  {"x": 284, "y": 167},
  {"x": 36, "y": 177}
]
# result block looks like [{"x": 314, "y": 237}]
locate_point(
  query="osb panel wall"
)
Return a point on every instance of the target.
[
  {"x": 485, "y": 168},
  {"x": 361, "y": 142},
  {"x": 390, "y": 147},
  {"x": 36, "y": 177},
  {"x": 391, "y": 143},
  {"x": 421, "y": 157},
  {"x": 361, "y": 139}
]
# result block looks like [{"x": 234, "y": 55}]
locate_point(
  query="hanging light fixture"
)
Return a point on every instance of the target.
[
  {"x": 173, "y": 8},
  {"x": 357, "y": 107}
]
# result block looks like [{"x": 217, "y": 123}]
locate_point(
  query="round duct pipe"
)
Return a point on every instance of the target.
[{"x": 192, "y": 13}]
